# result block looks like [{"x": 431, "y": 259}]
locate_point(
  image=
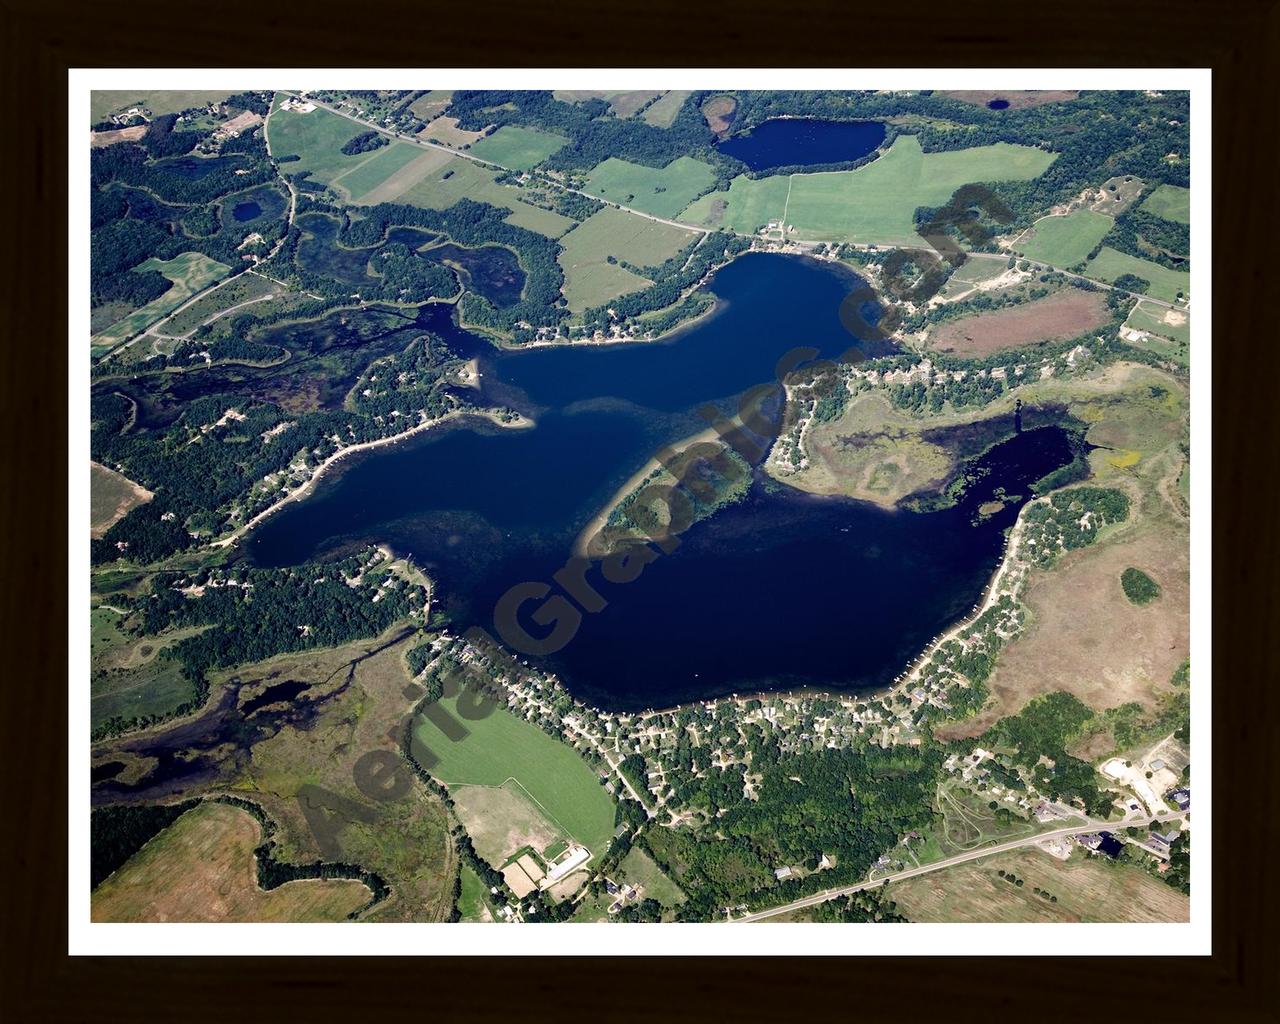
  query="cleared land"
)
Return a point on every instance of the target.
[
  {"x": 316, "y": 137},
  {"x": 131, "y": 677},
  {"x": 1169, "y": 331},
  {"x": 663, "y": 192},
  {"x": 1172, "y": 202},
  {"x": 518, "y": 147},
  {"x": 1165, "y": 284},
  {"x": 873, "y": 204},
  {"x": 202, "y": 868},
  {"x": 501, "y": 746},
  {"x": 719, "y": 112},
  {"x": 459, "y": 178},
  {"x": 662, "y": 112},
  {"x": 622, "y": 103},
  {"x": 1065, "y": 241},
  {"x": 190, "y": 272},
  {"x": 378, "y": 178},
  {"x": 472, "y": 901},
  {"x": 111, "y": 497},
  {"x": 99, "y": 139},
  {"x": 1067, "y": 314},
  {"x": 445, "y": 131},
  {"x": 1017, "y": 98},
  {"x": 104, "y": 102},
  {"x": 246, "y": 288},
  {"x": 502, "y": 820},
  {"x": 1087, "y": 889},
  {"x": 432, "y": 104},
  {"x": 590, "y": 279},
  {"x": 638, "y": 868}
]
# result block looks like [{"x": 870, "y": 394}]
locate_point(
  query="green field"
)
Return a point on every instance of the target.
[
  {"x": 1065, "y": 241},
  {"x": 104, "y": 102},
  {"x": 590, "y": 279},
  {"x": 663, "y": 110},
  {"x": 1172, "y": 202},
  {"x": 501, "y": 746},
  {"x": 663, "y": 192},
  {"x": 1165, "y": 284},
  {"x": 460, "y": 178},
  {"x": 747, "y": 206},
  {"x": 377, "y": 167},
  {"x": 518, "y": 147},
  {"x": 472, "y": 904},
  {"x": 638, "y": 868},
  {"x": 190, "y": 272},
  {"x": 875, "y": 203},
  {"x": 316, "y": 138},
  {"x": 130, "y": 677},
  {"x": 1147, "y": 316}
]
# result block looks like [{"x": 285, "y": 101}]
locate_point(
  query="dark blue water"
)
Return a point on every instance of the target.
[
  {"x": 782, "y": 590},
  {"x": 197, "y": 167},
  {"x": 246, "y": 211},
  {"x": 998, "y": 104},
  {"x": 803, "y": 141}
]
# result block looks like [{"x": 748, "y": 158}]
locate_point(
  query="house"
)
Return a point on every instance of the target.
[
  {"x": 1181, "y": 798},
  {"x": 1164, "y": 832},
  {"x": 781, "y": 873}
]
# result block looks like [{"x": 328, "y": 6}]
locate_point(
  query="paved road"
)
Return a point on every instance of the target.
[{"x": 960, "y": 858}]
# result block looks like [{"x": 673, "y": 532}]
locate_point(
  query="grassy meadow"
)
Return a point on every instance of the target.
[
  {"x": 1065, "y": 241},
  {"x": 501, "y": 747},
  {"x": 190, "y": 272},
  {"x": 1171, "y": 202},
  {"x": 1110, "y": 264},
  {"x": 663, "y": 192},
  {"x": 518, "y": 147}
]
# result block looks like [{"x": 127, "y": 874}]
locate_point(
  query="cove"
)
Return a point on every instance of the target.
[
  {"x": 803, "y": 141},
  {"x": 781, "y": 591}
]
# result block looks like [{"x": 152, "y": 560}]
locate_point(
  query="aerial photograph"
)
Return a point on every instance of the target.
[{"x": 660, "y": 506}]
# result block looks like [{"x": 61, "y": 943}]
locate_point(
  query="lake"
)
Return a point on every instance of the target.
[
  {"x": 781, "y": 591},
  {"x": 803, "y": 141}
]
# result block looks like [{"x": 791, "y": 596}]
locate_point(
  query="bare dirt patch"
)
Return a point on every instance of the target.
[
  {"x": 501, "y": 821},
  {"x": 1017, "y": 99},
  {"x": 111, "y": 497},
  {"x": 445, "y": 130},
  {"x": 1064, "y": 315},
  {"x": 132, "y": 134}
]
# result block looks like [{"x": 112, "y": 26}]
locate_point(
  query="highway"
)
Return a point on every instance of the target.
[{"x": 960, "y": 858}]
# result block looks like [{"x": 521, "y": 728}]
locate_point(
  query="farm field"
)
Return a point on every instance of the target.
[
  {"x": 202, "y": 868},
  {"x": 190, "y": 272},
  {"x": 1165, "y": 284},
  {"x": 378, "y": 178},
  {"x": 501, "y": 747},
  {"x": 247, "y": 287},
  {"x": 132, "y": 677},
  {"x": 1170, "y": 202},
  {"x": 111, "y": 497},
  {"x": 445, "y": 131},
  {"x": 1087, "y": 889},
  {"x": 1066, "y": 314},
  {"x": 316, "y": 138},
  {"x": 748, "y": 205},
  {"x": 105, "y": 102},
  {"x": 460, "y": 178},
  {"x": 1065, "y": 241},
  {"x": 622, "y": 103},
  {"x": 979, "y": 275},
  {"x": 518, "y": 147},
  {"x": 590, "y": 279},
  {"x": 875, "y": 203},
  {"x": 663, "y": 192},
  {"x": 662, "y": 112},
  {"x": 434, "y": 103}
]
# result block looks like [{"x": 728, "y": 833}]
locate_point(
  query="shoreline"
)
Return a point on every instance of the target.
[{"x": 523, "y": 423}]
